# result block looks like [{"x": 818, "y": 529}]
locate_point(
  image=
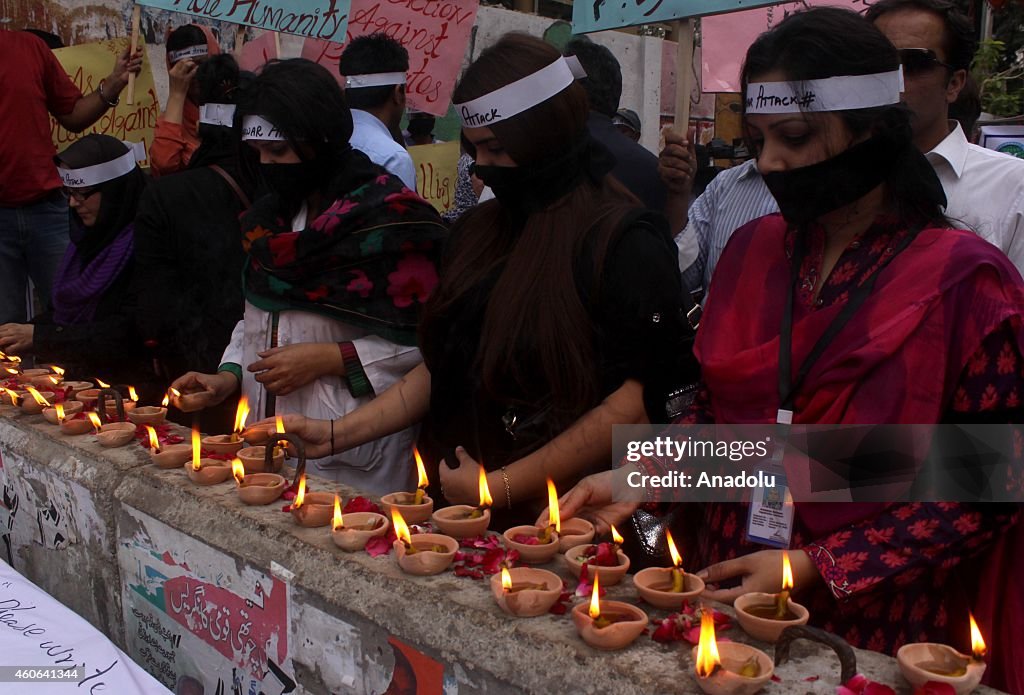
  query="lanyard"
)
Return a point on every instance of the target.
[{"x": 788, "y": 386}]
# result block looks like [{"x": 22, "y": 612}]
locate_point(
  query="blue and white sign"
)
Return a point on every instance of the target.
[
  {"x": 598, "y": 15},
  {"x": 318, "y": 19}
]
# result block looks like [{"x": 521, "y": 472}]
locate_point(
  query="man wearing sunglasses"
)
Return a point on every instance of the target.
[{"x": 984, "y": 189}]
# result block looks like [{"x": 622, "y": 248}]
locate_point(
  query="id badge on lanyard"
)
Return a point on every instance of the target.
[{"x": 770, "y": 513}]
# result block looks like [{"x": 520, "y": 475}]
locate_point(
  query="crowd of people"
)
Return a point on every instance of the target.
[{"x": 862, "y": 268}]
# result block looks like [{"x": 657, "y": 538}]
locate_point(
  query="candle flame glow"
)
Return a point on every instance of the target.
[
  {"x": 707, "y": 647},
  {"x": 279, "y": 424},
  {"x": 12, "y": 395},
  {"x": 485, "y": 493},
  {"x": 677, "y": 560},
  {"x": 595, "y": 598},
  {"x": 787, "y": 572},
  {"x": 14, "y": 358},
  {"x": 95, "y": 420},
  {"x": 133, "y": 394},
  {"x": 57, "y": 370},
  {"x": 54, "y": 380},
  {"x": 174, "y": 392},
  {"x": 154, "y": 441},
  {"x": 12, "y": 371},
  {"x": 506, "y": 579},
  {"x": 300, "y": 496},
  {"x": 616, "y": 536},
  {"x": 978, "y": 646},
  {"x": 196, "y": 447},
  {"x": 60, "y": 413},
  {"x": 421, "y": 471},
  {"x": 241, "y": 414},
  {"x": 37, "y": 396},
  {"x": 401, "y": 528},
  {"x": 237, "y": 470},
  {"x": 103, "y": 384},
  {"x": 339, "y": 521},
  {"x": 554, "y": 517},
  {"x": 166, "y": 401}
]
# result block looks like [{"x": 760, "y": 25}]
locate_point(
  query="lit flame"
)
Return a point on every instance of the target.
[
  {"x": 12, "y": 395},
  {"x": 174, "y": 392},
  {"x": 95, "y": 420},
  {"x": 977, "y": 641},
  {"x": 196, "y": 447},
  {"x": 37, "y": 396},
  {"x": 11, "y": 371},
  {"x": 60, "y": 412},
  {"x": 279, "y": 424},
  {"x": 485, "y": 493},
  {"x": 339, "y": 520},
  {"x": 154, "y": 441},
  {"x": 421, "y": 472},
  {"x": 787, "y": 572},
  {"x": 707, "y": 648},
  {"x": 401, "y": 528},
  {"x": 166, "y": 401},
  {"x": 595, "y": 598},
  {"x": 616, "y": 537},
  {"x": 54, "y": 380},
  {"x": 241, "y": 414},
  {"x": 14, "y": 358},
  {"x": 237, "y": 470},
  {"x": 506, "y": 579},
  {"x": 133, "y": 394},
  {"x": 103, "y": 384},
  {"x": 57, "y": 370},
  {"x": 677, "y": 560},
  {"x": 554, "y": 518},
  {"x": 300, "y": 496}
]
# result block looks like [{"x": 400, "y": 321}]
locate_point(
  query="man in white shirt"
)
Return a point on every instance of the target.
[{"x": 375, "y": 67}]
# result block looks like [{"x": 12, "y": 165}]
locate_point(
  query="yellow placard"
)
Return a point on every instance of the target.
[
  {"x": 86, "y": 65},
  {"x": 437, "y": 168}
]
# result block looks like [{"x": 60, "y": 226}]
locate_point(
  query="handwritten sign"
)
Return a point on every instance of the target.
[
  {"x": 598, "y": 15},
  {"x": 260, "y": 51},
  {"x": 326, "y": 53},
  {"x": 437, "y": 169},
  {"x": 87, "y": 65},
  {"x": 321, "y": 19},
  {"x": 37, "y": 630}
]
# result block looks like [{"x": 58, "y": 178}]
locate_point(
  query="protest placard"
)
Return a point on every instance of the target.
[
  {"x": 437, "y": 169},
  {"x": 598, "y": 15},
  {"x": 325, "y": 53},
  {"x": 260, "y": 51},
  {"x": 86, "y": 65},
  {"x": 321, "y": 19}
]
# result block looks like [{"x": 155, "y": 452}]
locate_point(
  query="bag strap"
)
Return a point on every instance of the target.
[{"x": 246, "y": 203}]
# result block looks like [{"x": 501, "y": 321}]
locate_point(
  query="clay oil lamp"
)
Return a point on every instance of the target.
[
  {"x": 37, "y": 402},
  {"x": 61, "y": 412},
  {"x": 148, "y": 414},
  {"x": 414, "y": 506},
  {"x": 668, "y": 588},
  {"x": 352, "y": 531},
  {"x": 430, "y": 553},
  {"x": 12, "y": 398},
  {"x": 537, "y": 546},
  {"x": 205, "y": 471},
  {"x": 463, "y": 520},
  {"x": 312, "y": 509},
  {"x": 268, "y": 458},
  {"x": 115, "y": 434},
  {"x": 168, "y": 456},
  {"x": 26, "y": 376},
  {"x": 75, "y": 426},
  {"x": 525, "y": 592},
  {"x": 764, "y": 616},
  {"x": 115, "y": 407},
  {"x": 575, "y": 532},
  {"x": 604, "y": 559},
  {"x": 730, "y": 668},
  {"x": 88, "y": 397},
  {"x": 73, "y": 388},
  {"x": 257, "y": 488},
  {"x": 258, "y": 435},
  {"x": 926, "y": 661},
  {"x": 46, "y": 381},
  {"x": 609, "y": 626},
  {"x": 229, "y": 444}
]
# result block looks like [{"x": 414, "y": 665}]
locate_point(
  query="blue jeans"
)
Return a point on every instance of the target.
[{"x": 33, "y": 239}]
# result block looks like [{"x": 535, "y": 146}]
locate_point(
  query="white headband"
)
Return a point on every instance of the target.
[
  {"x": 377, "y": 79},
  {"x": 259, "y": 128},
  {"x": 197, "y": 51},
  {"x": 107, "y": 171},
  {"x": 830, "y": 94},
  {"x": 217, "y": 114},
  {"x": 523, "y": 94}
]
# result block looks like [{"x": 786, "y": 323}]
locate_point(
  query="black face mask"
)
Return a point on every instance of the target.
[
  {"x": 807, "y": 193},
  {"x": 292, "y": 182}
]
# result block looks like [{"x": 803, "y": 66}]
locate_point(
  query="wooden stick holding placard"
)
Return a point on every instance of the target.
[
  {"x": 277, "y": 45},
  {"x": 684, "y": 75},
  {"x": 136, "y": 22},
  {"x": 239, "y": 40}
]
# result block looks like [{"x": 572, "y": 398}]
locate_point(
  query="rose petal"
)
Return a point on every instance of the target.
[{"x": 378, "y": 546}]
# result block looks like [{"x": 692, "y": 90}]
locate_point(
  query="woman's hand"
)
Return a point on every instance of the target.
[
  {"x": 285, "y": 369},
  {"x": 16, "y": 338},
  {"x": 315, "y": 434},
  {"x": 180, "y": 76},
  {"x": 591, "y": 499},
  {"x": 199, "y": 391},
  {"x": 760, "y": 571},
  {"x": 461, "y": 485}
]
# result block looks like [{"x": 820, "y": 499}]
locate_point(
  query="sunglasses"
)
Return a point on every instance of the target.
[
  {"x": 79, "y": 194},
  {"x": 918, "y": 60}
]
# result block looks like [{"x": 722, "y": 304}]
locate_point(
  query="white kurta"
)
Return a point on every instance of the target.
[{"x": 378, "y": 467}]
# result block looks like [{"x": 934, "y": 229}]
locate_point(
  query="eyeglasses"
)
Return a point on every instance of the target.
[
  {"x": 79, "y": 194},
  {"x": 918, "y": 60}
]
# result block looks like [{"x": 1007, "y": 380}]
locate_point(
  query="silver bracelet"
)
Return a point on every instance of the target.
[
  {"x": 108, "y": 102},
  {"x": 508, "y": 489}
]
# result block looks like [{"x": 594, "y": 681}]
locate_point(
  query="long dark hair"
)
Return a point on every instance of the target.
[
  {"x": 534, "y": 310},
  {"x": 829, "y": 42}
]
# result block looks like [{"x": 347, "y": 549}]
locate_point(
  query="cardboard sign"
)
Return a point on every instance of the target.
[
  {"x": 86, "y": 65},
  {"x": 321, "y": 19},
  {"x": 437, "y": 170},
  {"x": 598, "y": 15},
  {"x": 326, "y": 53},
  {"x": 1008, "y": 139},
  {"x": 260, "y": 51}
]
